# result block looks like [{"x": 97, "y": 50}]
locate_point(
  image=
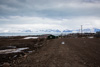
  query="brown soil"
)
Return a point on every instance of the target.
[
  {"x": 76, "y": 52},
  {"x": 18, "y": 42}
]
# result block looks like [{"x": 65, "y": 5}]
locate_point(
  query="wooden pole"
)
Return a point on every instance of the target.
[{"x": 81, "y": 29}]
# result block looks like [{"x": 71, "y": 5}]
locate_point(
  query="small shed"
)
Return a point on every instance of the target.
[
  {"x": 97, "y": 35},
  {"x": 51, "y": 37}
]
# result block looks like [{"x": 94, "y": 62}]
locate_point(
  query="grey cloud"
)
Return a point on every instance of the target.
[
  {"x": 64, "y": 13},
  {"x": 47, "y": 8},
  {"x": 91, "y": 1}
]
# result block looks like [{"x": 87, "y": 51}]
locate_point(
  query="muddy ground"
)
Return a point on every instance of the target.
[
  {"x": 7, "y": 43},
  {"x": 75, "y": 52}
]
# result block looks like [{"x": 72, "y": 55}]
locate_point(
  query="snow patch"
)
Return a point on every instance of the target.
[{"x": 31, "y": 38}]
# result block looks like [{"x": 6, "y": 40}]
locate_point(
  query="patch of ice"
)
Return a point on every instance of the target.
[
  {"x": 6, "y": 51},
  {"x": 90, "y": 37},
  {"x": 30, "y": 51},
  {"x": 31, "y": 38},
  {"x": 19, "y": 49},
  {"x": 11, "y": 46}
]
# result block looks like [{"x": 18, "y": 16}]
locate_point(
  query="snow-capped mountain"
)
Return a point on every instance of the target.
[
  {"x": 88, "y": 30},
  {"x": 27, "y": 31},
  {"x": 50, "y": 30},
  {"x": 67, "y": 30},
  {"x": 96, "y": 29}
]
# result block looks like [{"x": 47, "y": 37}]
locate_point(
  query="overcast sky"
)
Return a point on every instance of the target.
[{"x": 48, "y": 14}]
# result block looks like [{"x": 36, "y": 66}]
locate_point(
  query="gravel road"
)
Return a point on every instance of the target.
[{"x": 74, "y": 52}]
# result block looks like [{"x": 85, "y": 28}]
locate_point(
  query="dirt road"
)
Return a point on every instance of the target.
[{"x": 76, "y": 52}]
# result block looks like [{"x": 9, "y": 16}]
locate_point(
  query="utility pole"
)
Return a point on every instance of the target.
[{"x": 81, "y": 29}]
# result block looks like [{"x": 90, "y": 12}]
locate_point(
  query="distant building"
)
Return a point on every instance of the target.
[{"x": 51, "y": 37}]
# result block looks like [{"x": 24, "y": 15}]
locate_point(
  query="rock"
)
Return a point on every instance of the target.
[
  {"x": 6, "y": 65},
  {"x": 84, "y": 62},
  {"x": 25, "y": 56},
  {"x": 37, "y": 61}
]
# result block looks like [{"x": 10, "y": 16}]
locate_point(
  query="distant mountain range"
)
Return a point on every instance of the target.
[
  {"x": 49, "y": 30},
  {"x": 27, "y": 31},
  {"x": 88, "y": 30},
  {"x": 93, "y": 30},
  {"x": 96, "y": 29}
]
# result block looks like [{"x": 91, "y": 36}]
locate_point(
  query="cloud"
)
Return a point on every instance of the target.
[
  {"x": 49, "y": 8},
  {"x": 49, "y": 14},
  {"x": 38, "y": 23}
]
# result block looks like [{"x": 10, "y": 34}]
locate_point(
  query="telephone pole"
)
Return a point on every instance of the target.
[{"x": 81, "y": 29}]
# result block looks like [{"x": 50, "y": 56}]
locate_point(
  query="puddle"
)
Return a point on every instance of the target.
[
  {"x": 31, "y": 51},
  {"x": 8, "y": 55},
  {"x": 11, "y": 46},
  {"x": 7, "y": 47},
  {"x": 16, "y": 50},
  {"x": 31, "y": 38}
]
